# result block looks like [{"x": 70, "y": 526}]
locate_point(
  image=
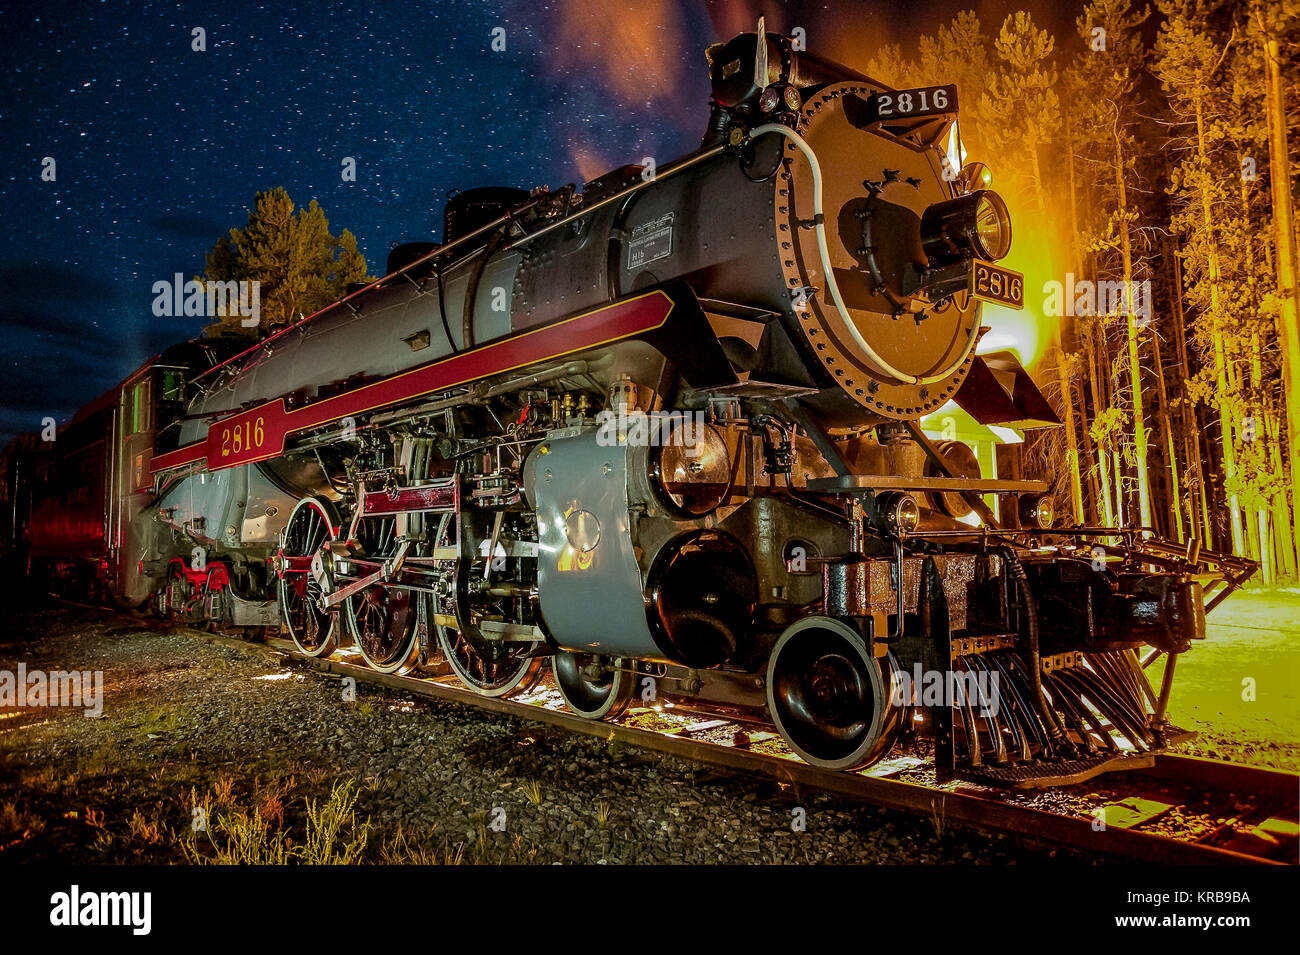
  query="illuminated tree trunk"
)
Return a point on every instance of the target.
[
  {"x": 1062, "y": 364},
  {"x": 1095, "y": 387},
  {"x": 1275, "y": 548},
  {"x": 1071, "y": 445},
  {"x": 1031, "y": 146},
  {"x": 1250, "y": 526},
  {"x": 1283, "y": 531},
  {"x": 1117, "y": 465},
  {"x": 1191, "y": 432},
  {"x": 1166, "y": 424},
  {"x": 1134, "y": 364},
  {"x": 1229, "y": 454},
  {"x": 1267, "y": 546},
  {"x": 1260, "y": 535},
  {"x": 1288, "y": 328},
  {"x": 1212, "y": 261},
  {"x": 1088, "y": 455},
  {"x": 1265, "y": 551}
]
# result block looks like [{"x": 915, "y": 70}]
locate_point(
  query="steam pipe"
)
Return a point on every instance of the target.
[{"x": 514, "y": 384}]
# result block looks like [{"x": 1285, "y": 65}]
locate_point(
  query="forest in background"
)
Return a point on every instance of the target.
[{"x": 1158, "y": 145}]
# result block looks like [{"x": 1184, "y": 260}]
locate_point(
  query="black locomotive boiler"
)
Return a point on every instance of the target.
[{"x": 662, "y": 431}]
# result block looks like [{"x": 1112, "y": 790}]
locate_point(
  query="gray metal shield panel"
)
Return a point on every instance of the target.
[{"x": 590, "y": 601}]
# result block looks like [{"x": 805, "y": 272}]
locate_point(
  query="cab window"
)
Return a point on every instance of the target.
[{"x": 140, "y": 407}]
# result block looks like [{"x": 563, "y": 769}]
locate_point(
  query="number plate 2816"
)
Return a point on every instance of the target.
[
  {"x": 923, "y": 101},
  {"x": 992, "y": 283}
]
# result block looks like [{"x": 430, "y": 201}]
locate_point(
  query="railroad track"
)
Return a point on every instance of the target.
[{"x": 1182, "y": 810}]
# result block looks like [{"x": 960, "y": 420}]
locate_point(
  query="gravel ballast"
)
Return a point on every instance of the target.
[
  {"x": 193, "y": 723},
  {"x": 184, "y": 714}
]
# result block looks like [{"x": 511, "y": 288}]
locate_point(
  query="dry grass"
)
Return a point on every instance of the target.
[
  {"x": 252, "y": 830},
  {"x": 138, "y": 786},
  {"x": 938, "y": 816},
  {"x": 16, "y": 820},
  {"x": 272, "y": 799},
  {"x": 406, "y": 848},
  {"x": 285, "y": 817},
  {"x": 148, "y": 831},
  {"x": 334, "y": 836},
  {"x": 495, "y": 849},
  {"x": 237, "y": 836}
]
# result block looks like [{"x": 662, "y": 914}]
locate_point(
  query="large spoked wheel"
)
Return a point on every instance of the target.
[
  {"x": 382, "y": 620},
  {"x": 593, "y": 687},
  {"x": 828, "y": 696},
  {"x": 310, "y": 527},
  {"x": 487, "y": 669},
  {"x": 382, "y": 623},
  {"x": 493, "y": 668}
]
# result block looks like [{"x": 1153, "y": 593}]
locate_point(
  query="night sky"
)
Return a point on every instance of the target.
[{"x": 160, "y": 149}]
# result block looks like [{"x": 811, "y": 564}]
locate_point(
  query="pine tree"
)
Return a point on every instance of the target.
[
  {"x": 1112, "y": 31},
  {"x": 891, "y": 67},
  {"x": 1020, "y": 111},
  {"x": 1213, "y": 81},
  {"x": 958, "y": 53},
  {"x": 300, "y": 265},
  {"x": 1276, "y": 25}
]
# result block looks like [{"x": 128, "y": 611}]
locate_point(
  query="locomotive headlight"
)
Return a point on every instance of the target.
[
  {"x": 899, "y": 512},
  {"x": 1037, "y": 510},
  {"x": 974, "y": 226}
]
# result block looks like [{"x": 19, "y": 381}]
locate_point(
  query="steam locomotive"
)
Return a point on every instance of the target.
[{"x": 660, "y": 431}]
